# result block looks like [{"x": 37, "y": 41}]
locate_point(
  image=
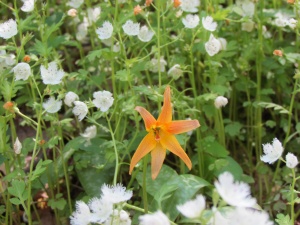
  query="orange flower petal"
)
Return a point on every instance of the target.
[
  {"x": 146, "y": 145},
  {"x": 170, "y": 142},
  {"x": 181, "y": 126},
  {"x": 158, "y": 155},
  {"x": 166, "y": 112},
  {"x": 149, "y": 120}
]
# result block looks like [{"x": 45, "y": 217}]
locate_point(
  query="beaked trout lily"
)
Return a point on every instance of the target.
[{"x": 161, "y": 136}]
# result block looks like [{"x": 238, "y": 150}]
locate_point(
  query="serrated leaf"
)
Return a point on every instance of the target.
[
  {"x": 57, "y": 203},
  {"x": 17, "y": 188},
  {"x": 233, "y": 129},
  {"x": 283, "y": 220},
  {"x": 275, "y": 106}
]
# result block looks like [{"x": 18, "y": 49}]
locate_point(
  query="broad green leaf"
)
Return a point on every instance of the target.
[
  {"x": 15, "y": 201},
  {"x": 17, "y": 189},
  {"x": 233, "y": 129},
  {"x": 57, "y": 203}
]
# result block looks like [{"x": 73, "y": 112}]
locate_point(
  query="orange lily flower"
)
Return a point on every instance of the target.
[{"x": 161, "y": 136}]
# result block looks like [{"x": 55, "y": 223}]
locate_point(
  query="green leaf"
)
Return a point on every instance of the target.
[
  {"x": 212, "y": 147},
  {"x": 123, "y": 75},
  {"x": 275, "y": 106},
  {"x": 15, "y": 201},
  {"x": 283, "y": 220},
  {"x": 17, "y": 189},
  {"x": 53, "y": 22},
  {"x": 57, "y": 203},
  {"x": 233, "y": 129}
]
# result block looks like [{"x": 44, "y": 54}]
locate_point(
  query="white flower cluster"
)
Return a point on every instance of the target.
[
  {"x": 130, "y": 28},
  {"x": 235, "y": 194},
  {"x": 101, "y": 210},
  {"x": 282, "y": 20},
  {"x": 274, "y": 151},
  {"x": 191, "y": 21},
  {"x": 80, "y": 108}
]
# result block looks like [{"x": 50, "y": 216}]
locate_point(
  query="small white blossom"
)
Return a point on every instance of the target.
[
  {"x": 175, "y": 71},
  {"x": 2, "y": 55},
  {"x": 223, "y": 43},
  {"x": 80, "y": 109},
  {"x": 154, "y": 65},
  {"x": 220, "y": 101},
  {"x": 75, "y": 3},
  {"x": 82, "y": 215},
  {"x": 272, "y": 152},
  {"x": 89, "y": 133},
  {"x": 103, "y": 100},
  {"x": 218, "y": 218},
  {"x": 17, "y": 146},
  {"x": 213, "y": 46},
  {"x": 248, "y": 7},
  {"x": 248, "y": 216},
  {"x": 281, "y": 20},
  {"x": 209, "y": 24},
  {"x": 82, "y": 31},
  {"x": 72, "y": 12},
  {"x": 93, "y": 14},
  {"x": 101, "y": 210},
  {"x": 157, "y": 218},
  {"x": 118, "y": 217},
  {"x": 52, "y": 75},
  {"x": 52, "y": 105},
  {"x": 178, "y": 13},
  {"x": 105, "y": 31},
  {"x": 291, "y": 160},
  {"x": 130, "y": 28},
  {"x": 234, "y": 193},
  {"x": 292, "y": 23},
  {"x": 70, "y": 97},
  {"x": 248, "y": 26},
  {"x": 266, "y": 33},
  {"x": 115, "y": 194},
  {"x": 145, "y": 34},
  {"x": 10, "y": 60},
  {"x": 190, "y": 5},
  {"x": 193, "y": 208},
  {"x": 28, "y": 5},
  {"x": 22, "y": 71},
  {"x": 190, "y": 21},
  {"x": 8, "y": 29}
]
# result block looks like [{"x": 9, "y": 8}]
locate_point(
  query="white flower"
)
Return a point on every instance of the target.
[
  {"x": 248, "y": 216},
  {"x": 8, "y": 29},
  {"x": 281, "y": 20},
  {"x": 157, "y": 218},
  {"x": 193, "y": 208},
  {"x": 80, "y": 109},
  {"x": 51, "y": 75},
  {"x": 272, "y": 152},
  {"x": 213, "y": 46},
  {"x": 105, "y": 31},
  {"x": 190, "y": 5},
  {"x": 22, "y": 71},
  {"x": 52, "y": 105},
  {"x": 223, "y": 43},
  {"x": 218, "y": 218},
  {"x": 220, "y": 101},
  {"x": 118, "y": 217},
  {"x": 175, "y": 71},
  {"x": 145, "y": 34},
  {"x": 2, "y": 55},
  {"x": 130, "y": 28},
  {"x": 292, "y": 23},
  {"x": 248, "y": 8},
  {"x": 115, "y": 194},
  {"x": 190, "y": 21},
  {"x": 75, "y": 3},
  {"x": 209, "y": 24},
  {"x": 10, "y": 59},
  {"x": 72, "y": 12},
  {"x": 81, "y": 34},
  {"x": 266, "y": 33},
  {"x": 178, "y": 13},
  {"x": 248, "y": 26},
  {"x": 234, "y": 193},
  {"x": 82, "y": 215},
  {"x": 101, "y": 209},
  {"x": 70, "y": 97},
  {"x": 93, "y": 14},
  {"x": 291, "y": 160},
  {"x": 17, "y": 146},
  {"x": 28, "y": 5},
  {"x": 89, "y": 133},
  {"x": 103, "y": 100},
  {"x": 154, "y": 65}
]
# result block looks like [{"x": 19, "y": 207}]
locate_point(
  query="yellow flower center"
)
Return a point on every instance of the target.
[{"x": 156, "y": 132}]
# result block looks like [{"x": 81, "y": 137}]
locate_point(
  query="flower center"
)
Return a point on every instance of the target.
[{"x": 156, "y": 132}]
